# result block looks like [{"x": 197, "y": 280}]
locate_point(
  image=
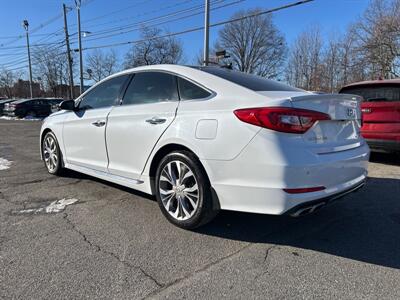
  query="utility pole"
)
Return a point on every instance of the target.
[
  {"x": 78, "y": 10},
  {"x": 71, "y": 74},
  {"x": 26, "y": 26},
  {"x": 206, "y": 32}
]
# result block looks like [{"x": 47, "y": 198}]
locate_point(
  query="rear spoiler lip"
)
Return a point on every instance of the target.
[{"x": 349, "y": 97}]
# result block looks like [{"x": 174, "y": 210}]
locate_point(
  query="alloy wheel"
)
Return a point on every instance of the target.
[
  {"x": 50, "y": 153},
  {"x": 179, "y": 190}
]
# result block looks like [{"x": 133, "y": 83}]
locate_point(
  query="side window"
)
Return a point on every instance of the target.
[
  {"x": 104, "y": 94},
  {"x": 151, "y": 87},
  {"x": 191, "y": 91}
]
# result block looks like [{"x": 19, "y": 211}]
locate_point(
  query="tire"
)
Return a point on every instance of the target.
[
  {"x": 51, "y": 154},
  {"x": 185, "y": 199}
]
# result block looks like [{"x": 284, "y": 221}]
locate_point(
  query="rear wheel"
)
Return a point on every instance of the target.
[
  {"x": 51, "y": 154},
  {"x": 183, "y": 191}
]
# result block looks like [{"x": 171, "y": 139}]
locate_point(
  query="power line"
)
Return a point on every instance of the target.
[
  {"x": 114, "y": 12},
  {"x": 140, "y": 15},
  {"x": 135, "y": 24},
  {"x": 202, "y": 27},
  {"x": 137, "y": 27},
  {"x": 187, "y": 30},
  {"x": 59, "y": 32},
  {"x": 41, "y": 26}
]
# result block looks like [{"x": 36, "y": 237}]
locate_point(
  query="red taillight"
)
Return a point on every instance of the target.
[
  {"x": 284, "y": 119},
  {"x": 304, "y": 190}
]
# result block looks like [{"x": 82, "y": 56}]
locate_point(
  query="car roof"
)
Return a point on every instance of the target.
[
  {"x": 22, "y": 100},
  {"x": 203, "y": 78},
  {"x": 6, "y": 100},
  {"x": 374, "y": 82}
]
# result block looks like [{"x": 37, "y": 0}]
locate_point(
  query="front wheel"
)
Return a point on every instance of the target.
[
  {"x": 51, "y": 154},
  {"x": 183, "y": 190}
]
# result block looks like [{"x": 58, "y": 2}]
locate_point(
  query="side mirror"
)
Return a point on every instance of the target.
[{"x": 68, "y": 105}]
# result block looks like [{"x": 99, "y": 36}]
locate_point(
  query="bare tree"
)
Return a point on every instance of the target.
[
  {"x": 102, "y": 64},
  {"x": 305, "y": 60},
  {"x": 378, "y": 38},
  {"x": 155, "y": 48},
  {"x": 332, "y": 65},
  {"x": 255, "y": 44},
  {"x": 7, "y": 79},
  {"x": 51, "y": 65}
]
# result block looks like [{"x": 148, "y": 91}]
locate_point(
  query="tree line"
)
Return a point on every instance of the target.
[{"x": 368, "y": 49}]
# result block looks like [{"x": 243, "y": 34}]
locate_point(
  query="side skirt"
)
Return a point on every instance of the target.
[{"x": 139, "y": 185}]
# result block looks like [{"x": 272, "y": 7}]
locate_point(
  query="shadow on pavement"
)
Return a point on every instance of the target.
[
  {"x": 363, "y": 226},
  {"x": 385, "y": 158},
  {"x": 76, "y": 175}
]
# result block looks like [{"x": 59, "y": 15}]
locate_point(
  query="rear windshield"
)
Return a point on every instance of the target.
[
  {"x": 252, "y": 82},
  {"x": 374, "y": 93}
]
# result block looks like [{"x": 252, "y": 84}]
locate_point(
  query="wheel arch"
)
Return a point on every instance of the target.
[
  {"x": 171, "y": 147},
  {"x": 42, "y": 135}
]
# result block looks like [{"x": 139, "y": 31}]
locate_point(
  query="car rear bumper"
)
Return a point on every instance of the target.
[
  {"x": 255, "y": 180},
  {"x": 384, "y": 145},
  {"x": 311, "y": 206}
]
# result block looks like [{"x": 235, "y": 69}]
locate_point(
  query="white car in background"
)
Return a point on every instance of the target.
[{"x": 203, "y": 139}]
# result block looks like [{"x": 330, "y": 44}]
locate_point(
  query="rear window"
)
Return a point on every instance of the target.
[
  {"x": 252, "y": 82},
  {"x": 190, "y": 91},
  {"x": 375, "y": 93}
]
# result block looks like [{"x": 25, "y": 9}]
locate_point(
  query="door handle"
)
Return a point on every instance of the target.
[
  {"x": 99, "y": 123},
  {"x": 155, "y": 120}
]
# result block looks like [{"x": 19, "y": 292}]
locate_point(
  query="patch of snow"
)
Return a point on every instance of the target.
[
  {"x": 54, "y": 207},
  {"x": 23, "y": 119},
  {"x": 31, "y": 119},
  {"x": 7, "y": 118},
  {"x": 4, "y": 164}
]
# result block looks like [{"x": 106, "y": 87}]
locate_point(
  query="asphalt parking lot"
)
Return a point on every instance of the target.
[{"x": 112, "y": 242}]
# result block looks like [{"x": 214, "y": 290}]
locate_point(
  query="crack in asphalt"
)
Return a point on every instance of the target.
[
  {"x": 203, "y": 269},
  {"x": 221, "y": 260},
  {"x": 267, "y": 261},
  {"x": 267, "y": 252},
  {"x": 110, "y": 253}
]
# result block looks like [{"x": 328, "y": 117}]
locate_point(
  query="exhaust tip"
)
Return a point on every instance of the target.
[{"x": 307, "y": 210}]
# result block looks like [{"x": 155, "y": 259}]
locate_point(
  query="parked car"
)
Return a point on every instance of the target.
[
  {"x": 206, "y": 138},
  {"x": 28, "y": 108},
  {"x": 381, "y": 112},
  {"x": 3, "y": 102},
  {"x": 55, "y": 103}
]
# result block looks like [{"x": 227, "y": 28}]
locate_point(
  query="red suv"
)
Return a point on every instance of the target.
[{"x": 381, "y": 112}]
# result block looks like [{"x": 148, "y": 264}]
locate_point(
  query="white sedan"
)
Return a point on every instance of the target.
[{"x": 203, "y": 139}]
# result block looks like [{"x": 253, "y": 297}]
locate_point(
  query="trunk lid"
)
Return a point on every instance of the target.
[{"x": 342, "y": 131}]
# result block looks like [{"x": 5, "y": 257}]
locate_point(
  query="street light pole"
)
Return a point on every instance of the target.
[
  {"x": 206, "y": 32},
  {"x": 71, "y": 74},
  {"x": 26, "y": 26},
  {"x": 78, "y": 10}
]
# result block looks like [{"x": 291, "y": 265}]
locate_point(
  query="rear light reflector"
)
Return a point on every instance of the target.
[
  {"x": 283, "y": 119},
  {"x": 304, "y": 190}
]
